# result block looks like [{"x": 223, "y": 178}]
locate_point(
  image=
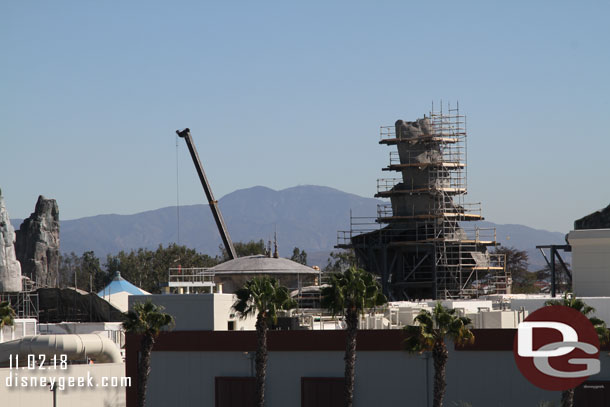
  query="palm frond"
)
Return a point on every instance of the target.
[
  {"x": 147, "y": 318},
  {"x": 433, "y": 327},
  {"x": 355, "y": 289},
  {"x": 7, "y": 314},
  {"x": 263, "y": 295},
  {"x": 569, "y": 300}
]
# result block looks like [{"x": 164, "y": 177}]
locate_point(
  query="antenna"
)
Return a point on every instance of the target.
[{"x": 275, "y": 253}]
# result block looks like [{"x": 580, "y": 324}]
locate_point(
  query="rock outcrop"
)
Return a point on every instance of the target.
[
  {"x": 37, "y": 243},
  {"x": 596, "y": 220},
  {"x": 10, "y": 269}
]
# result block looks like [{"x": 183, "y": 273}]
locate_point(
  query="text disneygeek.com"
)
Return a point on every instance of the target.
[
  {"x": 62, "y": 382},
  {"x": 20, "y": 367}
]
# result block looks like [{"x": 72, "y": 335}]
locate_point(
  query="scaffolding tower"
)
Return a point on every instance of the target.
[{"x": 417, "y": 242}]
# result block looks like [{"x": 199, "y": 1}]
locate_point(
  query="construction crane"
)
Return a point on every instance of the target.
[{"x": 220, "y": 223}]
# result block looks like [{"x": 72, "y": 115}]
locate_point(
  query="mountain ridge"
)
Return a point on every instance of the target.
[{"x": 304, "y": 216}]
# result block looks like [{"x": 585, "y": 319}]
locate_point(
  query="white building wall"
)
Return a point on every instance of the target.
[
  {"x": 198, "y": 312},
  {"x": 601, "y": 305},
  {"x": 69, "y": 397},
  {"x": 590, "y": 262},
  {"x": 21, "y": 327},
  {"x": 383, "y": 378}
]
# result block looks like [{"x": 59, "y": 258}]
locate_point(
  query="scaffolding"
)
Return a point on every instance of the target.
[
  {"x": 419, "y": 246},
  {"x": 24, "y": 302}
]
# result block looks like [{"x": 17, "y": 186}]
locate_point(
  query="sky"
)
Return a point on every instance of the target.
[{"x": 292, "y": 93}]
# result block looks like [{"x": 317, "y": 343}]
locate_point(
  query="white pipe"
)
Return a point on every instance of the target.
[{"x": 75, "y": 347}]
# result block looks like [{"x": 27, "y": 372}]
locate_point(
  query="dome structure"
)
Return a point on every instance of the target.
[
  {"x": 118, "y": 291},
  {"x": 234, "y": 273}
]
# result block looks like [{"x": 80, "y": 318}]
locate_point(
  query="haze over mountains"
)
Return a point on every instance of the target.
[{"x": 306, "y": 216}]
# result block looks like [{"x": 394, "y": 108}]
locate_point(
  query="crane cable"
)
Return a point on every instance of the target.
[{"x": 177, "y": 196}]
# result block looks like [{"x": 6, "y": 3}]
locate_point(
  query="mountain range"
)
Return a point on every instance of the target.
[{"x": 305, "y": 216}]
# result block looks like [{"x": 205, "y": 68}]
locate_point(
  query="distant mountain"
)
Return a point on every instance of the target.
[
  {"x": 525, "y": 238},
  {"x": 307, "y": 217}
]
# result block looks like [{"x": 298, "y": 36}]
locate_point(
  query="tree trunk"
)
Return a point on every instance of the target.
[
  {"x": 148, "y": 341},
  {"x": 439, "y": 355},
  {"x": 567, "y": 398},
  {"x": 351, "y": 319},
  {"x": 261, "y": 359}
]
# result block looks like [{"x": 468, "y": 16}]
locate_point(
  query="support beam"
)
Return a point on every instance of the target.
[
  {"x": 220, "y": 223},
  {"x": 552, "y": 265}
]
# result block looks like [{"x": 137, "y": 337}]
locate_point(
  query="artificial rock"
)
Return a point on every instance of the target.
[
  {"x": 37, "y": 243},
  {"x": 10, "y": 269}
]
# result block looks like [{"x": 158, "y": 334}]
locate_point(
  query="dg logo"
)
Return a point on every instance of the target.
[{"x": 556, "y": 348}]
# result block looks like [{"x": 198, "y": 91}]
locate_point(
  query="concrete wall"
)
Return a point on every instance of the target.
[
  {"x": 601, "y": 305},
  {"x": 590, "y": 262},
  {"x": 20, "y": 328},
  {"x": 482, "y": 374},
  {"x": 198, "y": 312},
  {"x": 70, "y": 397},
  {"x": 497, "y": 319},
  {"x": 391, "y": 378}
]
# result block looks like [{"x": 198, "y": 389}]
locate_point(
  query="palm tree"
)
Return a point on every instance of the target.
[
  {"x": 7, "y": 314},
  {"x": 350, "y": 294},
  {"x": 429, "y": 336},
  {"x": 569, "y": 300},
  {"x": 146, "y": 319},
  {"x": 263, "y": 297}
]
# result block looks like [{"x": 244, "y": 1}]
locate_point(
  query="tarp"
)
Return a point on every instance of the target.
[{"x": 70, "y": 305}]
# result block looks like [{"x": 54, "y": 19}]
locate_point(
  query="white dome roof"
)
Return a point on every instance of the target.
[{"x": 260, "y": 263}]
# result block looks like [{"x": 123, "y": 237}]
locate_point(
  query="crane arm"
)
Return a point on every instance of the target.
[{"x": 220, "y": 223}]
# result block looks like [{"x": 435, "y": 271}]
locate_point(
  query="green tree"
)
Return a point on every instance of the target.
[
  {"x": 90, "y": 267},
  {"x": 146, "y": 319},
  {"x": 429, "y": 336},
  {"x": 263, "y": 297},
  {"x": 517, "y": 263},
  {"x": 148, "y": 269},
  {"x": 250, "y": 248},
  {"x": 84, "y": 272},
  {"x": 68, "y": 265},
  {"x": 7, "y": 314},
  {"x": 340, "y": 261},
  {"x": 562, "y": 283},
  {"x": 298, "y": 255},
  {"x": 350, "y": 294},
  {"x": 569, "y": 300}
]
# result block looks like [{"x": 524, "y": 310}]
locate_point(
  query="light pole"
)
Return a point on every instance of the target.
[{"x": 53, "y": 388}]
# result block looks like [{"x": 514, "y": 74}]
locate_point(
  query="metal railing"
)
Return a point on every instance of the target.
[
  {"x": 193, "y": 276},
  {"x": 450, "y": 156},
  {"x": 387, "y": 132}
]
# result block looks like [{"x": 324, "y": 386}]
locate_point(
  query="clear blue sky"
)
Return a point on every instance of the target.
[{"x": 280, "y": 94}]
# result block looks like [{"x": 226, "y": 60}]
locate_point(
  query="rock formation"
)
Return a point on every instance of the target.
[
  {"x": 10, "y": 269},
  {"x": 37, "y": 243},
  {"x": 596, "y": 220}
]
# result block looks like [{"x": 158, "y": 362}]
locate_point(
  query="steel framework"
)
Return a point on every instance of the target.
[{"x": 417, "y": 242}]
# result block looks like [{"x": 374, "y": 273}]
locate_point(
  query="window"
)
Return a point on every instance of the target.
[
  {"x": 322, "y": 391},
  {"x": 235, "y": 391}
]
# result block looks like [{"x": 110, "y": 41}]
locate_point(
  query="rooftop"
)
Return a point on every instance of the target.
[{"x": 262, "y": 264}]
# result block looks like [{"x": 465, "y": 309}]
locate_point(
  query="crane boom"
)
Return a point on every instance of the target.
[{"x": 222, "y": 228}]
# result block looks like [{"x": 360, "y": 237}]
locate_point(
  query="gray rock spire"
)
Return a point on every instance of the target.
[
  {"x": 37, "y": 244},
  {"x": 10, "y": 269}
]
